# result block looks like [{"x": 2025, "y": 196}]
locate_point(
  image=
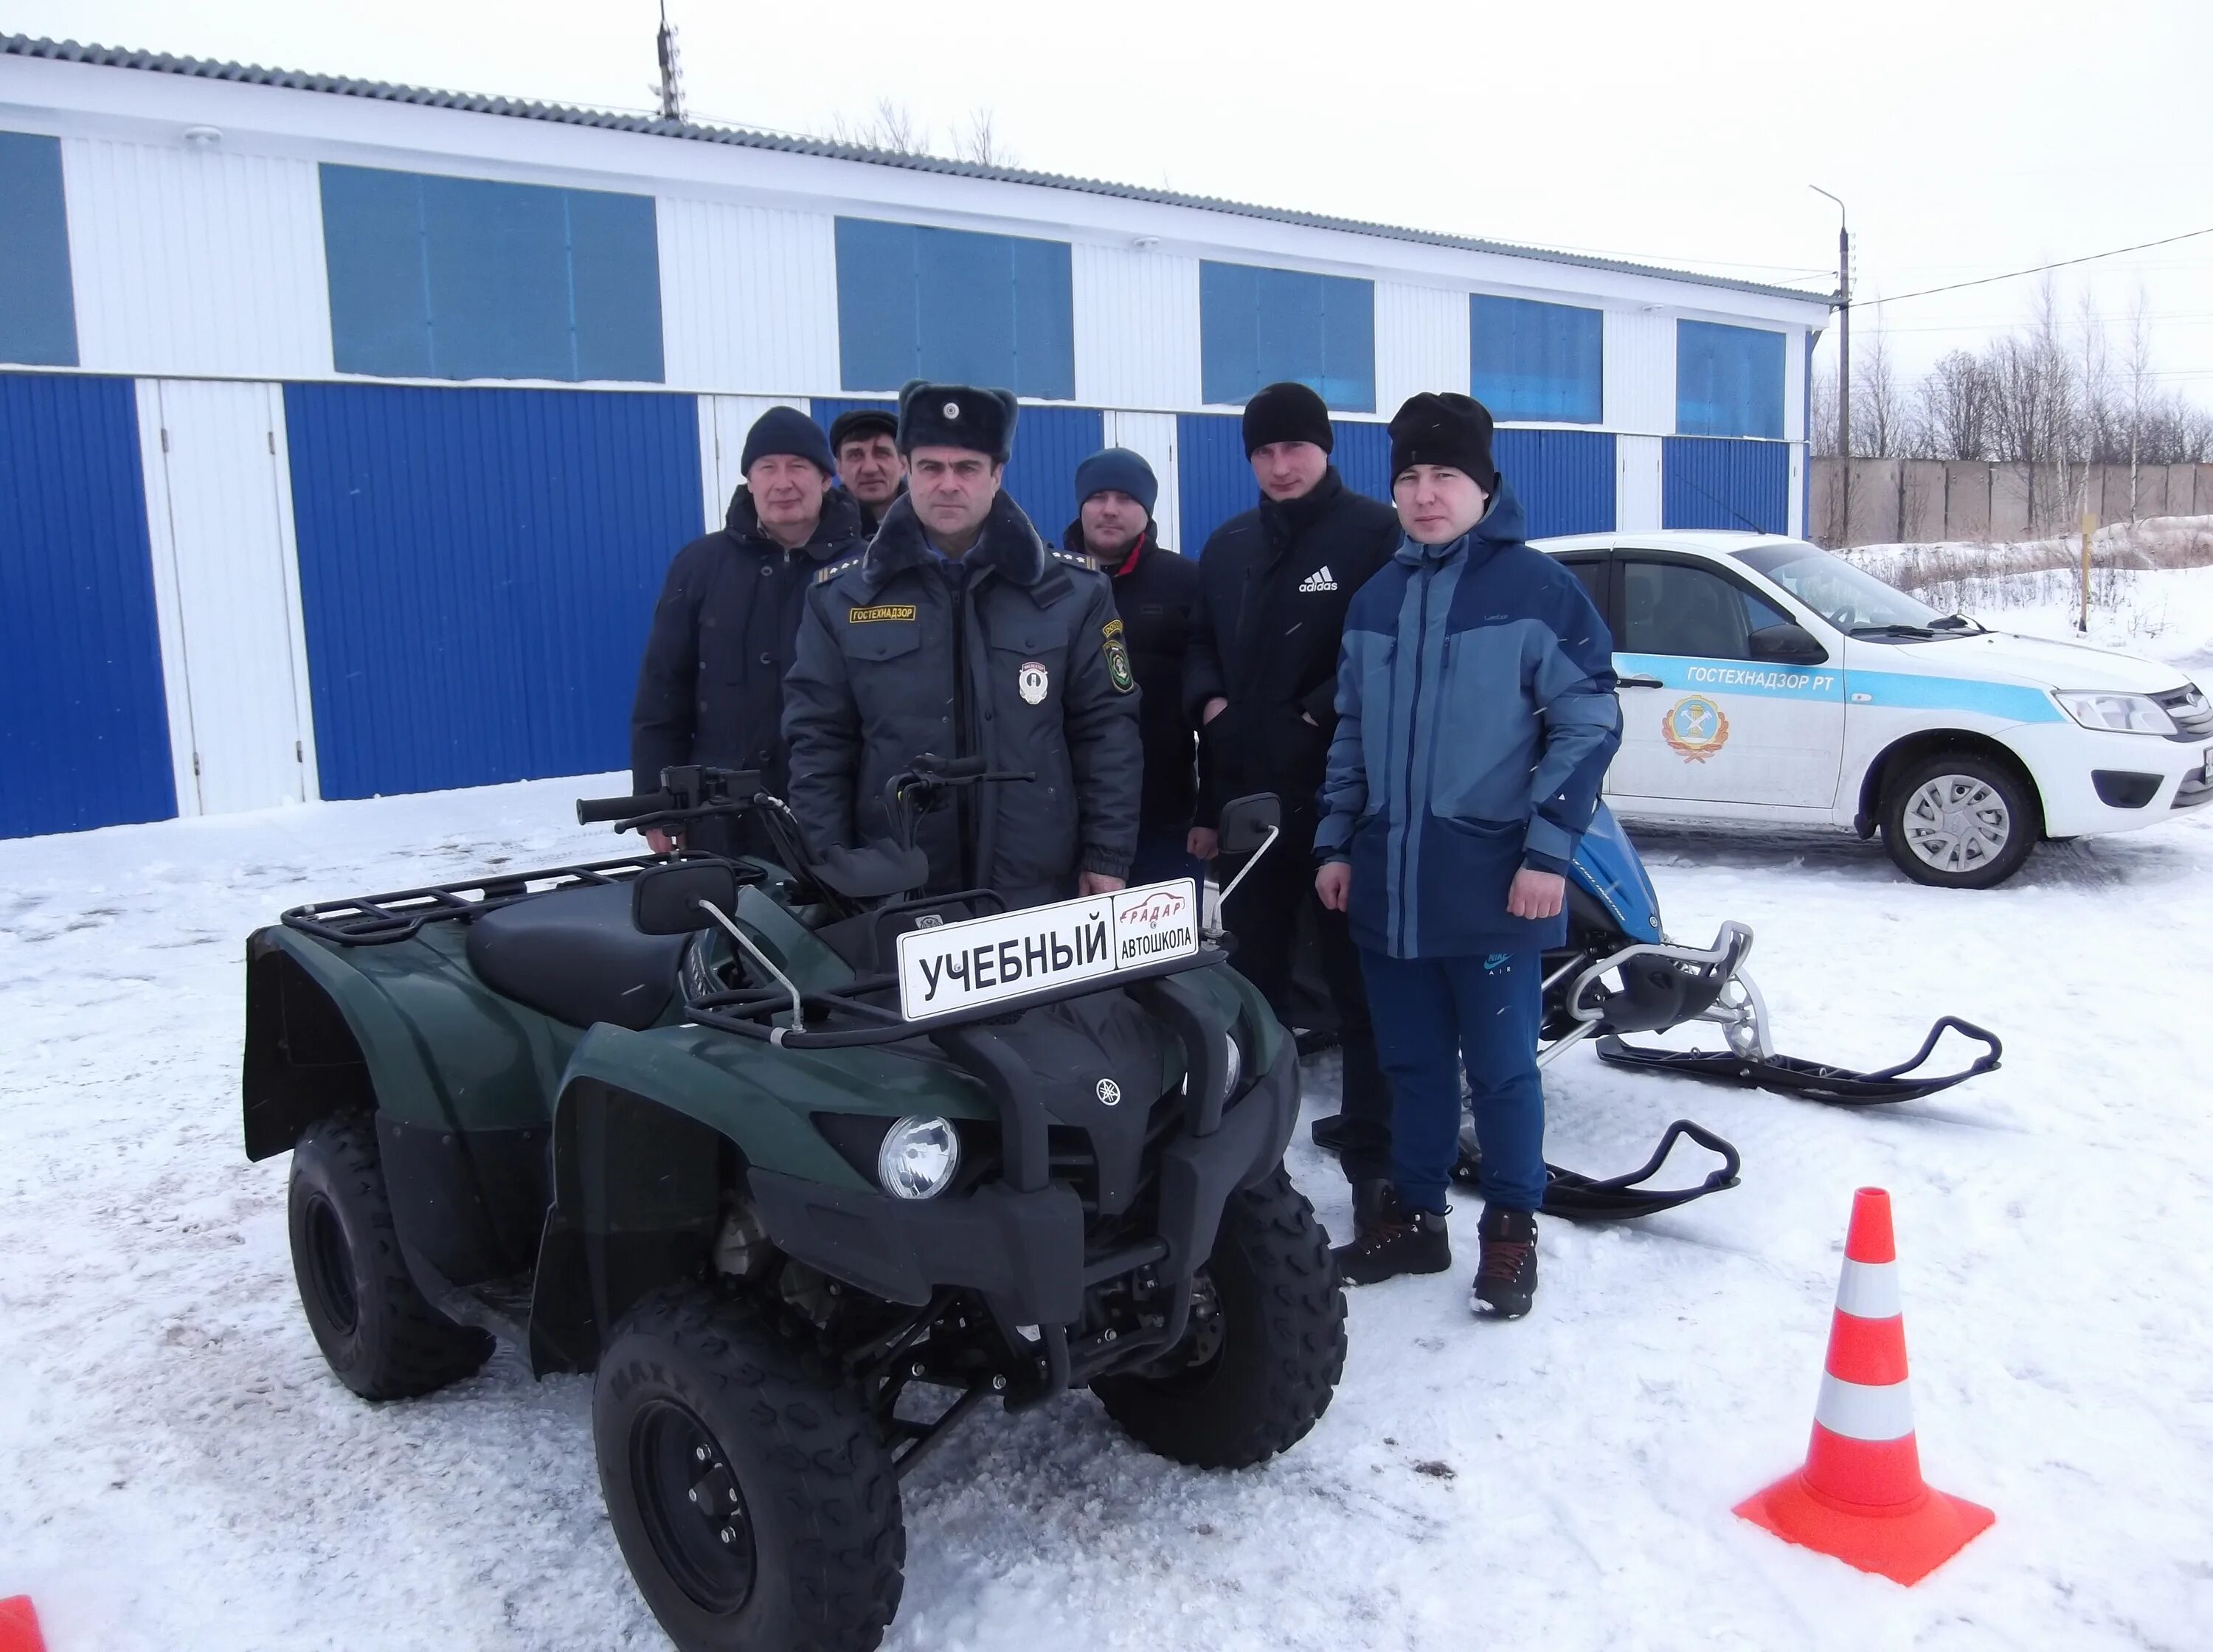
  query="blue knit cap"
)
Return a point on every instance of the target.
[
  {"x": 1121, "y": 470},
  {"x": 787, "y": 430}
]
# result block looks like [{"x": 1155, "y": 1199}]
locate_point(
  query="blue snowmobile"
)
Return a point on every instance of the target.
[{"x": 1619, "y": 974}]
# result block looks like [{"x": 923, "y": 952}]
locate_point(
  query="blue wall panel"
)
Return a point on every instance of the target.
[
  {"x": 84, "y": 728},
  {"x": 1728, "y": 381},
  {"x": 1050, "y": 442},
  {"x": 955, "y": 307},
  {"x": 478, "y": 569},
  {"x": 38, "y": 309},
  {"x": 1564, "y": 479},
  {"x": 1215, "y": 479},
  {"x": 1710, "y": 483},
  {"x": 1257, "y": 326},
  {"x": 1528, "y": 360}
]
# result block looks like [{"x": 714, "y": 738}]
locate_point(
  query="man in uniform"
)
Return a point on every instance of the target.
[
  {"x": 957, "y": 632},
  {"x": 1261, "y": 680},
  {"x": 864, "y": 443},
  {"x": 1155, "y": 592},
  {"x": 710, "y": 687}
]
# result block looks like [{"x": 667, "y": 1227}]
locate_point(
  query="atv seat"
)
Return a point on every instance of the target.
[{"x": 575, "y": 955}]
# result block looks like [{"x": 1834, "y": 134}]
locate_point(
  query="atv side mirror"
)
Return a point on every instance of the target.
[
  {"x": 1791, "y": 644},
  {"x": 665, "y": 899},
  {"x": 1247, "y": 822}
]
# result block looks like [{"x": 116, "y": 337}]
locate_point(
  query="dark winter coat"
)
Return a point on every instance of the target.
[
  {"x": 1274, "y": 584},
  {"x": 1156, "y": 594},
  {"x": 869, "y": 520},
  {"x": 1476, "y": 717},
  {"x": 710, "y": 689},
  {"x": 1012, "y": 654}
]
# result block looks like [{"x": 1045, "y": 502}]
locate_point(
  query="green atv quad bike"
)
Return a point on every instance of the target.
[{"x": 805, "y": 1167}]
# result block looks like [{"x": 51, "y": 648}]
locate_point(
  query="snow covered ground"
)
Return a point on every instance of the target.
[{"x": 178, "y": 1469}]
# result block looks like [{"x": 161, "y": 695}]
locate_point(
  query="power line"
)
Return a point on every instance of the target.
[{"x": 2058, "y": 263}]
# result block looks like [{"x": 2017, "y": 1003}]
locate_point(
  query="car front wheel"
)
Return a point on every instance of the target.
[{"x": 1960, "y": 820}]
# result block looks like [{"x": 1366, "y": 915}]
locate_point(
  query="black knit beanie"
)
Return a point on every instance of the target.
[
  {"x": 787, "y": 430},
  {"x": 1287, "y": 413},
  {"x": 1444, "y": 429}
]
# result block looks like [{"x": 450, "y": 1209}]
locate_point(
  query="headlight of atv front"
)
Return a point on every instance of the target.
[
  {"x": 1236, "y": 1058},
  {"x": 2123, "y": 714},
  {"x": 919, "y": 1158}
]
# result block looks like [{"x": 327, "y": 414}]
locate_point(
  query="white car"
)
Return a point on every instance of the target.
[{"x": 1763, "y": 678}]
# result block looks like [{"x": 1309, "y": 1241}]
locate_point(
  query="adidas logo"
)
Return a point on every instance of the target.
[{"x": 1321, "y": 580}]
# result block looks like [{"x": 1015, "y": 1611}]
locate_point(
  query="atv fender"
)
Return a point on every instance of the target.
[{"x": 653, "y": 1128}]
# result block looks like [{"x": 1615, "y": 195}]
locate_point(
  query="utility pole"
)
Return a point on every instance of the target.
[
  {"x": 671, "y": 74},
  {"x": 1843, "y": 355}
]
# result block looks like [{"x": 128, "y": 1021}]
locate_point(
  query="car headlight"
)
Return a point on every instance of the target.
[
  {"x": 2125, "y": 714},
  {"x": 1235, "y": 1073},
  {"x": 918, "y": 1159}
]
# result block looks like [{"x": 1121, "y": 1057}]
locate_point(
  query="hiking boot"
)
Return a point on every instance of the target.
[
  {"x": 1368, "y": 1204},
  {"x": 1398, "y": 1240},
  {"x": 1506, "y": 1271}
]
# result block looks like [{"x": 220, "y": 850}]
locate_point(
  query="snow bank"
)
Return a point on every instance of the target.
[{"x": 181, "y": 1472}]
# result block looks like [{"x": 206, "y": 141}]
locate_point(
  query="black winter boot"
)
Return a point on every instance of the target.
[
  {"x": 1506, "y": 1273},
  {"x": 1398, "y": 1240},
  {"x": 1368, "y": 1204}
]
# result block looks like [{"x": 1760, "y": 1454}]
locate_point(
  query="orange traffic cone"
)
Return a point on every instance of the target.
[
  {"x": 19, "y": 1626},
  {"x": 1861, "y": 1496}
]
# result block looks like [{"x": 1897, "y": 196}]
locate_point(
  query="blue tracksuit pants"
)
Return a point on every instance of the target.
[{"x": 1432, "y": 1015}]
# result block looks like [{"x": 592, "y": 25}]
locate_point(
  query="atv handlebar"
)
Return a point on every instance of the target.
[{"x": 592, "y": 811}]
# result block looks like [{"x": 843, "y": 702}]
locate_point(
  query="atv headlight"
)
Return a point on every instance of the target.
[
  {"x": 2125, "y": 714},
  {"x": 1236, "y": 1074},
  {"x": 918, "y": 1159}
]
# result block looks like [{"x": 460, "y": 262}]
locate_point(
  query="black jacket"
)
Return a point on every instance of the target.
[
  {"x": 1013, "y": 654},
  {"x": 1156, "y": 594},
  {"x": 1274, "y": 584},
  {"x": 869, "y": 520},
  {"x": 711, "y": 686}
]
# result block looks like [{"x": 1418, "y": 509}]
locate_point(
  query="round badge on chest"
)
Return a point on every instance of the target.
[{"x": 1033, "y": 682}]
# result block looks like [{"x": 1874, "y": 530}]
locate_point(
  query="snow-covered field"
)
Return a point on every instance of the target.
[{"x": 178, "y": 1470}]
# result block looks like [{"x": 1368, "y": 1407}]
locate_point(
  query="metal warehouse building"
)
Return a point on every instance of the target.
[{"x": 346, "y": 430}]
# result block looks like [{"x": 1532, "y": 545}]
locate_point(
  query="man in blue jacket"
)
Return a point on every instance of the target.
[{"x": 1476, "y": 717}]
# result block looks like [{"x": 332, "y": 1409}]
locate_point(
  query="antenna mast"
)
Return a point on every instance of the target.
[{"x": 672, "y": 72}]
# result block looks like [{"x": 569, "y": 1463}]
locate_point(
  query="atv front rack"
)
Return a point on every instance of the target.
[
  {"x": 1577, "y": 1198},
  {"x": 380, "y": 920}
]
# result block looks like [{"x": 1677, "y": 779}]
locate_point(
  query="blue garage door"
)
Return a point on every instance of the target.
[
  {"x": 84, "y": 728},
  {"x": 1714, "y": 482},
  {"x": 1217, "y": 479},
  {"x": 1564, "y": 479},
  {"x": 1050, "y": 442},
  {"x": 478, "y": 569}
]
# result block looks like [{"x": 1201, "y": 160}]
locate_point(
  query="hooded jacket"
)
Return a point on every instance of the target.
[
  {"x": 1475, "y": 718},
  {"x": 1012, "y": 654},
  {"x": 1274, "y": 584},
  {"x": 1156, "y": 595},
  {"x": 710, "y": 687}
]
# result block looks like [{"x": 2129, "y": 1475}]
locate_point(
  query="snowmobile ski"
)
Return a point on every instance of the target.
[
  {"x": 1816, "y": 1081},
  {"x": 1574, "y": 1197}
]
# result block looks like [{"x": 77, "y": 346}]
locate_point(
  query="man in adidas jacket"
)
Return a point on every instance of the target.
[
  {"x": 1476, "y": 717},
  {"x": 957, "y": 633},
  {"x": 1260, "y": 680}
]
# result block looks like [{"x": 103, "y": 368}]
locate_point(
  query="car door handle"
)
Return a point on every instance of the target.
[{"x": 1640, "y": 682}]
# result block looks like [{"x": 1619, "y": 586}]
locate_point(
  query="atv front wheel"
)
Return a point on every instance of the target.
[
  {"x": 1266, "y": 1347},
  {"x": 753, "y": 1503},
  {"x": 375, "y": 1328}
]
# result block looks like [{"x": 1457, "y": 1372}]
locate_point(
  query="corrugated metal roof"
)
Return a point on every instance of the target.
[{"x": 23, "y": 46}]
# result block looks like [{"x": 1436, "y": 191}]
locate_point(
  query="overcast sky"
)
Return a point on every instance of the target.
[{"x": 1969, "y": 138}]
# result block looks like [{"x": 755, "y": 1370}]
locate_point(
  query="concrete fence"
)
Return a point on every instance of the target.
[{"x": 1918, "y": 501}]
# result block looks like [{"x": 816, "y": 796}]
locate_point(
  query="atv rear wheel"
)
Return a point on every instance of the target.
[
  {"x": 1959, "y": 819},
  {"x": 375, "y": 1328},
  {"x": 1265, "y": 1348},
  {"x": 752, "y": 1500}
]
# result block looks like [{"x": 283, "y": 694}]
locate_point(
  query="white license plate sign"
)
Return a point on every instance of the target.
[{"x": 981, "y": 961}]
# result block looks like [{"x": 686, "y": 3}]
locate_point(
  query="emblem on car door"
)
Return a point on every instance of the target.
[{"x": 1696, "y": 727}]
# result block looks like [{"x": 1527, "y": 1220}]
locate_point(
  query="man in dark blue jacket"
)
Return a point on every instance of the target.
[{"x": 1476, "y": 717}]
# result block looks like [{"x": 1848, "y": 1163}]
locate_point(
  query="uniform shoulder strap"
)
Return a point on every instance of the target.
[
  {"x": 1076, "y": 559},
  {"x": 836, "y": 569}
]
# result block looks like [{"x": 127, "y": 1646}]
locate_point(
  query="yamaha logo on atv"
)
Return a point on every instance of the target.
[{"x": 1109, "y": 1093}]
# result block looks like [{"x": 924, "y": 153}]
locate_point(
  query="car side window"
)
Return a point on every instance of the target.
[
  {"x": 1671, "y": 608},
  {"x": 1591, "y": 572}
]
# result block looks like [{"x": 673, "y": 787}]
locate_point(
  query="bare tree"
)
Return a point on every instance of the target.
[
  {"x": 1952, "y": 419},
  {"x": 892, "y": 126},
  {"x": 1879, "y": 410},
  {"x": 2138, "y": 370},
  {"x": 1822, "y": 413},
  {"x": 980, "y": 143}
]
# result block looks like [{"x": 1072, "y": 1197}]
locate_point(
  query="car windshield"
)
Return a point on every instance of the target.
[{"x": 1849, "y": 598}]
